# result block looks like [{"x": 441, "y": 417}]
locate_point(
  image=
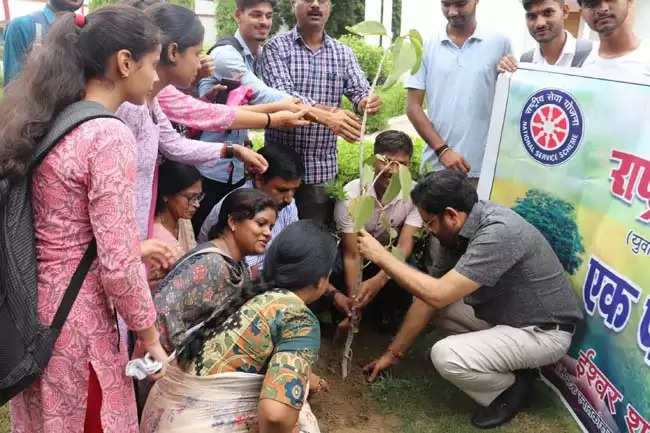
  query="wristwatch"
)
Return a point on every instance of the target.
[{"x": 228, "y": 151}]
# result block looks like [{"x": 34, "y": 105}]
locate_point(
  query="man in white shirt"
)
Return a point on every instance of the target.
[
  {"x": 620, "y": 53},
  {"x": 556, "y": 46}
]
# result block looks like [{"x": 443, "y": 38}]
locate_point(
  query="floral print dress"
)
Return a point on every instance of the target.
[
  {"x": 83, "y": 188},
  {"x": 263, "y": 351}
]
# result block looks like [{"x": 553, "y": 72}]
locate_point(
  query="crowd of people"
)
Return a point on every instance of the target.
[{"x": 213, "y": 258}]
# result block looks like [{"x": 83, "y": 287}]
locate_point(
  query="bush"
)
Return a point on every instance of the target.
[
  {"x": 349, "y": 164},
  {"x": 224, "y": 19},
  {"x": 393, "y": 104},
  {"x": 369, "y": 57}
]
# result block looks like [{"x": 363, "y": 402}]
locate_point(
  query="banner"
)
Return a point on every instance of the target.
[{"x": 571, "y": 154}]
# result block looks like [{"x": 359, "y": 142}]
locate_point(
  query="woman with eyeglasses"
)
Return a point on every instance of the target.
[{"x": 179, "y": 196}]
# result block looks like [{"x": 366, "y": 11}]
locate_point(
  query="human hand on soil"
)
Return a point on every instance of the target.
[
  {"x": 157, "y": 254},
  {"x": 454, "y": 160},
  {"x": 317, "y": 384},
  {"x": 377, "y": 366}
]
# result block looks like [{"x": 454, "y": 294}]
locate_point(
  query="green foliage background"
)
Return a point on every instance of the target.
[
  {"x": 95, "y": 4},
  {"x": 344, "y": 13}
]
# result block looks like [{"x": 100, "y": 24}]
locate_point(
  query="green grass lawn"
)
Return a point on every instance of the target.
[
  {"x": 4, "y": 420},
  {"x": 429, "y": 404},
  {"x": 426, "y": 403}
]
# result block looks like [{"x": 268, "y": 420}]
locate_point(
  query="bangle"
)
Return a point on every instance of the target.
[
  {"x": 227, "y": 151},
  {"x": 442, "y": 149},
  {"x": 396, "y": 353},
  {"x": 442, "y": 153},
  {"x": 268, "y": 120}
]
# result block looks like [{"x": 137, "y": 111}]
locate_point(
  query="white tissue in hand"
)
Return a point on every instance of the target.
[{"x": 140, "y": 368}]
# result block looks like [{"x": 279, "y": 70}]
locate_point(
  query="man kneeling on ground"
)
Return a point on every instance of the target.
[
  {"x": 382, "y": 297},
  {"x": 497, "y": 285}
]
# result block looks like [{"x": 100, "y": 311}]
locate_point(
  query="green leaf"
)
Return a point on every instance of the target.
[
  {"x": 392, "y": 233},
  {"x": 418, "y": 55},
  {"x": 392, "y": 191},
  {"x": 398, "y": 253},
  {"x": 406, "y": 182},
  {"x": 381, "y": 157},
  {"x": 414, "y": 35},
  {"x": 371, "y": 160},
  {"x": 361, "y": 209},
  {"x": 404, "y": 58},
  {"x": 368, "y": 28},
  {"x": 368, "y": 175}
]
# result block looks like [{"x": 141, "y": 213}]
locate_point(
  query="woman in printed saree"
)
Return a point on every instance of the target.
[
  {"x": 247, "y": 368},
  {"x": 213, "y": 272}
]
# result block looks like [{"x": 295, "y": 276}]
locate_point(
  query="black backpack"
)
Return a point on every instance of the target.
[{"x": 25, "y": 343}]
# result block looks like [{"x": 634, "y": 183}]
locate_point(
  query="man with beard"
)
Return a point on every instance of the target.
[
  {"x": 27, "y": 31},
  {"x": 557, "y": 47},
  {"x": 236, "y": 58},
  {"x": 497, "y": 285},
  {"x": 620, "y": 53},
  {"x": 309, "y": 64},
  {"x": 458, "y": 75}
]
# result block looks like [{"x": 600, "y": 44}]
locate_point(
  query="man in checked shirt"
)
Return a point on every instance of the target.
[{"x": 307, "y": 63}]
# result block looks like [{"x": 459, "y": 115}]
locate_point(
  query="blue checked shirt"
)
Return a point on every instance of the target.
[{"x": 317, "y": 77}]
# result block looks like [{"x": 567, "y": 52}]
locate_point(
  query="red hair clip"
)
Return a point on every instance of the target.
[{"x": 80, "y": 20}]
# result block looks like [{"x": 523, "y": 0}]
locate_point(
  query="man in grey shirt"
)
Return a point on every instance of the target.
[{"x": 497, "y": 285}]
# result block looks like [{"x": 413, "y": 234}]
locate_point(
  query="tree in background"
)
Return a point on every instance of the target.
[
  {"x": 96, "y": 4},
  {"x": 556, "y": 220},
  {"x": 344, "y": 13}
]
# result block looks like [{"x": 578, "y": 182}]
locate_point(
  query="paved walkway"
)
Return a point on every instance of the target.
[{"x": 400, "y": 123}]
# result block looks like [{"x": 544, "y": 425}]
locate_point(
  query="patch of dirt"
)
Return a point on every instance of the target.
[{"x": 347, "y": 407}]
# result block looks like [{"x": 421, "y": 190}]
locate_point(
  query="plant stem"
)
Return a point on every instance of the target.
[{"x": 346, "y": 362}]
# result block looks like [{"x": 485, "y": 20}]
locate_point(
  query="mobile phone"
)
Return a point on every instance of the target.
[{"x": 222, "y": 96}]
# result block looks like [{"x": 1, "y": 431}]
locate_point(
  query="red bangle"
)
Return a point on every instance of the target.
[{"x": 397, "y": 354}]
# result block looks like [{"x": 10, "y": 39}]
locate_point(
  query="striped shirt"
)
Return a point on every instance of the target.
[{"x": 317, "y": 77}]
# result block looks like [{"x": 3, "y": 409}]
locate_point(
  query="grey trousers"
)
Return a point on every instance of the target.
[{"x": 480, "y": 358}]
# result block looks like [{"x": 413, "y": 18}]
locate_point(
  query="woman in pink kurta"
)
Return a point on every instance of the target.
[
  {"x": 84, "y": 188},
  {"x": 178, "y": 67}
]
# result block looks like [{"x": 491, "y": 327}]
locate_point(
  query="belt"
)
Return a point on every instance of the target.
[{"x": 558, "y": 327}]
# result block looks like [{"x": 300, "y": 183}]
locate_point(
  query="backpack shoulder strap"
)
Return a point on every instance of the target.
[
  {"x": 527, "y": 56},
  {"x": 228, "y": 41},
  {"x": 583, "y": 49},
  {"x": 68, "y": 119}
]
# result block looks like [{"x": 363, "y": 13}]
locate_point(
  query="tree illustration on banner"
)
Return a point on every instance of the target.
[
  {"x": 556, "y": 220},
  {"x": 406, "y": 52}
]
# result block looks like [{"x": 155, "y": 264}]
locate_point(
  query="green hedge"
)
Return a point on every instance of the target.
[
  {"x": 369, "y": 57},
  {"x": 349, "y": 164},
  {"x": 393, "y": 104}
]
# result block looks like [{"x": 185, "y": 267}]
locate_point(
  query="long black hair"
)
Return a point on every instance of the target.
[
  {"x": 174, "y": 177},
  {"x": 241, "y": 204},
  {"x": 179, "y": 26},
  {"x": 300, "y": 256},
  {"x": 56, "y": 74}
]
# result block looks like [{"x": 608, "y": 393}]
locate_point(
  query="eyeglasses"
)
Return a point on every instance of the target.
[{"x": 194, "y": 199}]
